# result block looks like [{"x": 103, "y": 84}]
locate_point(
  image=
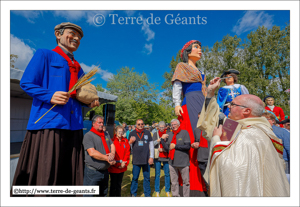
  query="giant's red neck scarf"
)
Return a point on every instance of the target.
[{"x": 73, "y": 67}]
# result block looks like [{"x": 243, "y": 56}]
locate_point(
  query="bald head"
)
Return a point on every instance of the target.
[{"x": 253, "y": 102}]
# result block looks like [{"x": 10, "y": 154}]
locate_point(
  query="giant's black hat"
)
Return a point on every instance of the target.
[
  {"x": 285, "y": 121},
  {"x": 268, "y": 97},
  {"x": 230, "y": 71}
]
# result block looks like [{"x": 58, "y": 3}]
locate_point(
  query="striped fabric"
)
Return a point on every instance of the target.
[
  {"x": 218, "y": 148},
  {"x": 278, "y": 146}
]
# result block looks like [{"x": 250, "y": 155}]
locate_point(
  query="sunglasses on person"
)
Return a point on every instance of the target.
[
  {"x": 233, "y": 104},
  {"x": 140, "y": 124}
]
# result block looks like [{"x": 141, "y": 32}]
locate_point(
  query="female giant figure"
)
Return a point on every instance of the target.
[{"x": 190, "y": 81}]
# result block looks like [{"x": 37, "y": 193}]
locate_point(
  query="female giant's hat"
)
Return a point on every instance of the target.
[{"x": 187, "y": 45}]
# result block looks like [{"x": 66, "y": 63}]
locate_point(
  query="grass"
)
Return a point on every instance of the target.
[{"x": 140, "y": 193}]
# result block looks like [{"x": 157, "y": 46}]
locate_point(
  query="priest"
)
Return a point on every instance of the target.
[{"x": 251, "y": 163}]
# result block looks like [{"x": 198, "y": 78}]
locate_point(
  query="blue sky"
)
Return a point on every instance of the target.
[{"x": 146, "y": 42}]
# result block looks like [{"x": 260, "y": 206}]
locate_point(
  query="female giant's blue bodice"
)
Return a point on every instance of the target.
[{"x": 191, "y": 87}]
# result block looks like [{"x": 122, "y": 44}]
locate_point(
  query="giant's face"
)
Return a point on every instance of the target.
[
  {"x": 270, "y": 101},
  {"x": 196, "y": 51},
  {"x": 229, "y": 81},
  {"x": 287, "y": 125},
  {"x": 70, "y": 39}
]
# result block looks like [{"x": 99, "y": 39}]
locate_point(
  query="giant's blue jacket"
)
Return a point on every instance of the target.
[
  {"x": 46, "y": 73},
  {"x": 227, "y": 93}
]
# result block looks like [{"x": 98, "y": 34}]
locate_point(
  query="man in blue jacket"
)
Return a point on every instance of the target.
[
  {"x": 284, "y": 135},
  {"x": 52, "y": 152}
]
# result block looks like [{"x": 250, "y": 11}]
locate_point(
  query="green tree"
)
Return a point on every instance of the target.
[
  {"x": 166, "y": 109},
  {"x": 134, "y": 92},
  {"x": 268, "y": 61},
  {"x": 222, "y": 56},
  {"x": 100, "y": 88},
  {"x": 167, "y": 85}
]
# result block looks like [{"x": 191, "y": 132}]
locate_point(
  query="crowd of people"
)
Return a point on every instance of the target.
[{"x": 196, "y": 160}]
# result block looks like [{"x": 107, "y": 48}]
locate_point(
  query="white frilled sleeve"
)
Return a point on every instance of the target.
[
  {"x": 177, "y": 89},
  {"x": 244, "y": 90}
]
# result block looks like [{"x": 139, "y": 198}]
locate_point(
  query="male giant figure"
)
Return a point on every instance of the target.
[
  {"x": 52, "y": 152},
  {"x": 251, "y": 164}
]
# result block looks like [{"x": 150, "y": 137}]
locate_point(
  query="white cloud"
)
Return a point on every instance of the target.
[
  {"x": 30, "y": 15},
  {"x": 75, "y": 15},
  {"x": 149, "y": 35},
  {"x": 162, "y": 94},
  {"x": 148, "y": 48},
  {"x": 147, "y": 31},
  {"x": 24, "y": 52},
  {"x": 91, "y": 14},
  {"x": 251, "y": 20},
  {"x": 105, "y": 75},
  {"x": 70, "y": 15},
  {"x": 130, "y": 12}
]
